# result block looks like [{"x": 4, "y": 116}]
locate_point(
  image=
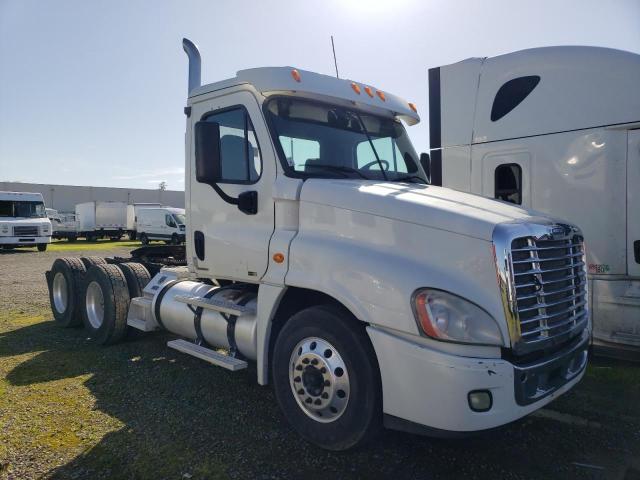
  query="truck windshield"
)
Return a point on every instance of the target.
[
  {"x": 321, "y": 140},
  {"x": 179, "y": 218},
  {"x": 22, "y": 209}
]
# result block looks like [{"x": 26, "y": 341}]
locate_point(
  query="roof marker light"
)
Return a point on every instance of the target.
[
  {"x": 356, "y": 87},
  {"x": 381, "y": 95},
  {"x": 413, "y": 107},
  {"x": 295, "y": 74},
  {"x": 369, "y": 91}
]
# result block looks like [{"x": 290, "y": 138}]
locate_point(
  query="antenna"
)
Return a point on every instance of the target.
[{"x": 335, "y": 62}]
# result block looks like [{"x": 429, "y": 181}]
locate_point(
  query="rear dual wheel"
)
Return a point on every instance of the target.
[
  {"x": 65, "y": 291},
  {"x": 326, "y": 378}
]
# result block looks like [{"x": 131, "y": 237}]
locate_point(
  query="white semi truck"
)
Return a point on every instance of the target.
[
  {"x": 555, "y": 129},
  {"x": 23, "y": 221},
  {"x": 317, "y": 250}
]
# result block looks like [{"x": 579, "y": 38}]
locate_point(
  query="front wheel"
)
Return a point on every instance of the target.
[
  {"x": 42, "y": 247},
  {"x": 326, "y": 378},
  {"x": 144, "y": 239}
]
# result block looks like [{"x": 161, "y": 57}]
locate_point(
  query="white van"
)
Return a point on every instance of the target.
[
  {"x": 162, "y": 223},
  {"x": 23, "y": 221}
]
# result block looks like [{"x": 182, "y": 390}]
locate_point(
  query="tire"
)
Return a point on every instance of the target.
[
  {"x": 137, "y": 277},
  {"x": 350, "y": 367},
  {"x": 132, "y": 235},
  {"x": 106, "y": 302},
  {"x": 71, "y": 239},
  {"x": 91, "y": 261},
  {"x": 65, "y": 291},
  {"x": 42, "y": 247},
  {"x": 144, "y": 239},
  {"x": 174, "y": 239}
]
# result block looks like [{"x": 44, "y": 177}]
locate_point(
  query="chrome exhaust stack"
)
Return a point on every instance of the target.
[{"x": 195, "y": 62}]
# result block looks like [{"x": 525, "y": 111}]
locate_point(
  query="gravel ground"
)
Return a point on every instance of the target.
[{"x": 137, "y": 410}]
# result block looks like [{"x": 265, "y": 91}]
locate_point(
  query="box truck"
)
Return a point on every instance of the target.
[
  {"x": 161, "y": 223},
  {"x": 23, "y": 221},
  {"x": 101, "y": 219},
  {"x": 557, "y": 130},
  {"x": 318, "y": 251}
]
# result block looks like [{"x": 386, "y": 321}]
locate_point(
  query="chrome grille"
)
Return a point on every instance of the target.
[
  {"x": 25, "y": 231},
  {"x": 550, "y": 287}
]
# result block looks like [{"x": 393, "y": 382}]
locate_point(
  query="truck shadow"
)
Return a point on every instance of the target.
[{"x": 181, "y": 415}]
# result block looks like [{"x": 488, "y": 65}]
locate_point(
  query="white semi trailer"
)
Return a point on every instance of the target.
[
  {"x": 23, "y": 221},
  {"x": 558, "y": 130},
  {"x": 317, "y": 250}
]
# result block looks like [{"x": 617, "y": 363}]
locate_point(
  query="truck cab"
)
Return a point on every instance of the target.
[
  {"x": 317, "y": 249},
  {"x": 555, "y": 129},
  {"x": 23, "y": 221}
]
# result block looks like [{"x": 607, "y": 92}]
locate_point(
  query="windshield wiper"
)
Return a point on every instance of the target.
[
  {"x": 411, "y": 178},
  {"x": 338, "y": 168},
  {"x": 375, "y": 152}
]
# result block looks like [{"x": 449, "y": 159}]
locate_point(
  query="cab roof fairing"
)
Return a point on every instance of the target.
[{"x": 271, "y": 80}]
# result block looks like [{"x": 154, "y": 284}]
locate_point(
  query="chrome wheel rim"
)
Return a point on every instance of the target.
[
  {"x": 60, "y": 292},
  {"x": 319, "y": 380},
  {"x": 95, "y": 305}
]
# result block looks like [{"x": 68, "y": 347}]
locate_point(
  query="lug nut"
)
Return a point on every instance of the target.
[
  {"x": 299, "y": 367},
  {"x": 323, "y": 370},
  {"x": 327, "y": 383},
  {"x": 297, "y": 379},
  {"x": 314, "y": 361},
  {"x": 317, "y": 402},
  {"x": 308, "y": 400},
  {"x": 305, "y": 361},
  {"x": 325, "y": 395},
  {"x": 301, "y": 391}
]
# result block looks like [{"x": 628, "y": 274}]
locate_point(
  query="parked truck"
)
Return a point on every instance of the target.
[
  {"x": 555, "y": 129},
  {"x": 317, "y": 250},
  {"x": 101, "y": 219},
  {"x": 64, "y": 225},
  {"x": 23, "y": 221}
]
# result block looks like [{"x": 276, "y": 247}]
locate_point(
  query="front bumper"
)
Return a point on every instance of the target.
[
  {"x": 430, "y": 388},
  {"x": 24, "y": 241}
]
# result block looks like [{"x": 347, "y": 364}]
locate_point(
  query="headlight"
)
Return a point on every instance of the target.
[{"x": 444, "y": 316}]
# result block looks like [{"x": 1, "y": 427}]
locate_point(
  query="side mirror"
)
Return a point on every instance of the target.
[
  {"x": 425, "y": 161},
  {"x": 207, "y": 140}
]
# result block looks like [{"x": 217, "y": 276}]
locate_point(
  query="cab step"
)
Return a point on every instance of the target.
[
  {"x": 208, "y": 355},
  {"x": 221, "y": 306}
]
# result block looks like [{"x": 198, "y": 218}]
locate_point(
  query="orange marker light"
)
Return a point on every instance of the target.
[
  {"x": 369, "y": 91},
  {"x": 412, "y": 106},
  {"x": 381, "y": 95},
  {"x": 356, "y": 87},
  {"x": 278, "y": 257},
  {"x": 295, "y": 74}
]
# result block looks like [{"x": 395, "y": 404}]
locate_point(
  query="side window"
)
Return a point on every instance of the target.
[
  {"x": 386, "y": 149},
  {"x": 299, "y": 151},
  {"x": 511, "y": 94},
  {"x": 239, "y": 152},
  {"x": 169, "y": 220},
  {"x": 508, "y": 183}
]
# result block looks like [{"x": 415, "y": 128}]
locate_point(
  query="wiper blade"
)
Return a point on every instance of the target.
[
  {"x": 338, "y": 168},
  {"x": 411, "y": 178}
]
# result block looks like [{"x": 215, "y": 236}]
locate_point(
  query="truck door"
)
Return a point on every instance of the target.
[
  {"x": 633, "y": 203},
  {"x": 231, "y": 219},
  {"x": 506, "y": 176}
]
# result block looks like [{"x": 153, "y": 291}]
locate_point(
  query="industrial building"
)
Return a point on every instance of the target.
[{"x": 65, "y": 197}]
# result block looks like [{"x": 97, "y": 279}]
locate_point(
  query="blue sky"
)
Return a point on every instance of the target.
[{"x": 91, "y": 92}]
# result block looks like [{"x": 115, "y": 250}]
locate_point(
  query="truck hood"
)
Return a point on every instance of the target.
[
  {"x": 24, "y": 221},
  {"x": 426, "y": 205}
]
